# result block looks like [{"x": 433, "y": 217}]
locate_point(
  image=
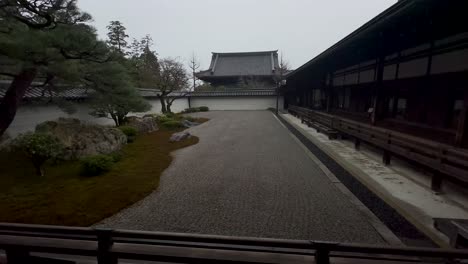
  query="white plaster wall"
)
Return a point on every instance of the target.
[
  {"x": 28, "y": 116},
  {"x": 237, "y": 103},
  {"x": 178, "y": 106}
]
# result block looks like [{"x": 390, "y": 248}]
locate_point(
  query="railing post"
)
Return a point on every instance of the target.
[
  {"x": 386, "y": 157},
  {"x": 105, "y": 242},
  {"x": 357, "y": 143},
  {"x": 322, "y": 252},
  {"x": 436, "y": 182},
  {"x": 322, "y": 256},
  {"x": 17, "y": 256}
]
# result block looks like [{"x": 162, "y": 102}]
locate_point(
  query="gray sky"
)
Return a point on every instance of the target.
[{"x": 300, "y": 29}]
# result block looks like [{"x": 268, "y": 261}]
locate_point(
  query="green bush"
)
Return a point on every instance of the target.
[
  {"x": 116, "y": 156},
  {"x": 96, "y": 165},
  {"x": 191, "y": 110},
  {"x": 130, "y": 132},
  {"x": 39, "y": 148},
  {"x": 172, "y": 124},
  {"x": 163, "y": 118},
  {"x": 204, "y": 108},
  {"x": 170, "y": 115}
]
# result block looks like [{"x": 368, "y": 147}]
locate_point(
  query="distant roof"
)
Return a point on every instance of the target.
[
  {"x": 231, "y": 64},
  {"x": 36, "y": 93}
]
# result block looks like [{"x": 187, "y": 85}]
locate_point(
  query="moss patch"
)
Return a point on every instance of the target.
[{"x": 63, "y": 197}]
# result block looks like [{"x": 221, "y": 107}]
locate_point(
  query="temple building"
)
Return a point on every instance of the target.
[
  {"x": 255, "y": 70},
  {"x": 405, "y": 70}
]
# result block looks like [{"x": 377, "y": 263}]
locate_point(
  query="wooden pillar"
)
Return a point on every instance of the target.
[
  {"x": 436, "y": 183},
  {"x": 357, "y": 144},
  {"x": 461, "y": 137},
  {"x": 377, "y": 103},
  {"x": 330, "y": 92},
  {"x": 386, "y": 158}
]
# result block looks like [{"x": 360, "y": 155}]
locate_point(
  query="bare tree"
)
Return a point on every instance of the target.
[
  {"x": 282, "y": 69},
  {"x": 172, "y": 78},
  {"x": 194, "y": 65},
  {"x": 280, "y": 73}
]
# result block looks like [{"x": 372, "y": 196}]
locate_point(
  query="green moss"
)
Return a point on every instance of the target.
[
  {"x": 172, "y": 124},
  {"x": 96, "y": 165},
  {"x": 63, "y": 197}
]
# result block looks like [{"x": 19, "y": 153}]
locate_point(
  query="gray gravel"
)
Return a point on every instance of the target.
[{"x": 247, "y": 177}]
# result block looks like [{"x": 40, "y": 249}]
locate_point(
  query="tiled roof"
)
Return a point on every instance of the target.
[
  {"x": 261, "y": 63},
  {"x": 233, "y": 92},
  {"x": 82, "y": 93},
  {"x": 214, "y": 93},
  {"x": 38, "y": 92}
]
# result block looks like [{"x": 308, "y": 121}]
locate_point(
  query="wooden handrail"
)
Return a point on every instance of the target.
[
  {"x": 22, "y": 240},
  {"x": 443, "y": 159}
]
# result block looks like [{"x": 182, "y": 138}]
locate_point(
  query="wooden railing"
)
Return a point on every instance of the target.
[
  {"x": 443, "y": 160},
  {"x": 55, "y": 244}
]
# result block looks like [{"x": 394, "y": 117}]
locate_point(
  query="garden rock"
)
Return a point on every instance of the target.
[
  {"x": 142, "y": 124},
  {"x": 188, "y": 124},
  {"x": 83, "y": 139},
  {"x": 179, "y": 136}
]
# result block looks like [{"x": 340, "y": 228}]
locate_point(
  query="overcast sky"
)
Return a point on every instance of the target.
[{"x": 300, "y": 29}]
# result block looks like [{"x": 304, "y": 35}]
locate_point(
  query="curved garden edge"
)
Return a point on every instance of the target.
[{"x": 63, "y": 197}]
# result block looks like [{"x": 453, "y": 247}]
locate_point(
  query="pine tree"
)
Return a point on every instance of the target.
[
  {"x": 117, "y": 36},
  {"x": 43, "y": 42}
]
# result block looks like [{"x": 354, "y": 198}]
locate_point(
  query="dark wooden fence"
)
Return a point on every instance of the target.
[
  {"x": 443, "y": 160},
  {"x": 55, "y": 244}
]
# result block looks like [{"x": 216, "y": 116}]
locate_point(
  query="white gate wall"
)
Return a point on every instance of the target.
[{"x": 237, "y": 103}]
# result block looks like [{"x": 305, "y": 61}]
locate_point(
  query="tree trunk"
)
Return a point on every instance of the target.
[
  {"x": 121, "y": 120},
  {"x": 168, "y": 108},
  {"x": 116, "y": 120},
  {"x": 37, "y": 163},
  {"x": 168, "y": 105},
  {"x": 163, "y": 104},
  {"x": 13, "y": 97}
]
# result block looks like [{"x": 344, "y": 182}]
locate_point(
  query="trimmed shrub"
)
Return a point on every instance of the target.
[
  {"x": 163, "y": 118},
  {"x": 170, "y": 115},
  {"x": 96, "y": 165},
  {"x": 172, "y": 124},
  {"x": 130, "y": 132},
  {"x": 116, "y": 156},
  {"x": 204, "y": 108},
  {"x": 39, "y": 148},
  {"x": 191, "y": 110}
]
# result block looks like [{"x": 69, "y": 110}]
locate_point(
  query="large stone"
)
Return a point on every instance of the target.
[
  {"x": 83, "y": 139},
  {"x": 142, "y": 124},
  {"x": 188, "y": 124},
  {"x": 176, "y": 137}
]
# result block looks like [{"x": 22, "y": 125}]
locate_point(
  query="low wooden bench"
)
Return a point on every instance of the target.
[{"x": 331, "y": 133}]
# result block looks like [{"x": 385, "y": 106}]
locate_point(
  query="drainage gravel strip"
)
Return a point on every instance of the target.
[{"x": 401, "y": 227}]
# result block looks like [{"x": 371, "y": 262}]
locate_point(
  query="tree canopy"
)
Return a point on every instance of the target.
[
  {"x": 172, "y": 77},
  {"x": 51, "y": 42},
  {"x": 114, "y": 94},
  {"x": 117, "y": 36}
]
